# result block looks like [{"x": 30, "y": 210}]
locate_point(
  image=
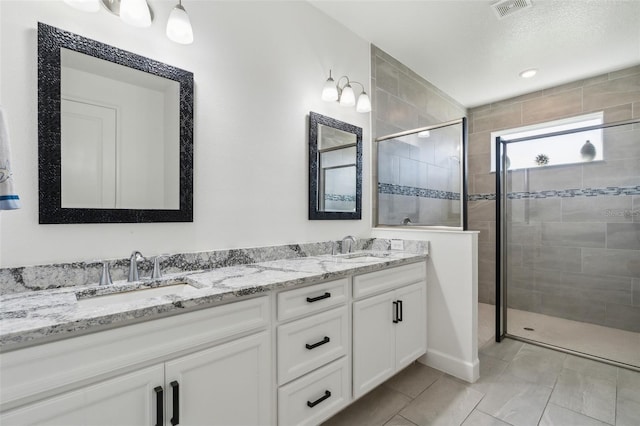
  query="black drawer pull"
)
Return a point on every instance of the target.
[
  {"x": 400, "y": 316},
  {"x": 320, "y": 343},
  {"x": 315, "y": 299},
  {"x": 395, "y": 312},
  {"x": 159, "y": 405},
  {"x": 176, "y": 403},
  {"x": 327, "y": 394}
]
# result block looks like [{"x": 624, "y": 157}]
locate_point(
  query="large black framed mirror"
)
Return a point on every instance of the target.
[
  {"x": 335, "y": 169},
  {"x": 115, "y": 134}
]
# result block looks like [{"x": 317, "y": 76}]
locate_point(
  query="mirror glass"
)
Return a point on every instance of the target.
[
  {"x": 112, "y": 117},
  {"x": 335, "y": 169},
  {"x": 115, "y": 134}
]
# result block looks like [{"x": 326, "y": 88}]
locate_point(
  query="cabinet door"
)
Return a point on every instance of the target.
[
  {"x": 125, "y": 400},
  {"x": 373, "y": 342},
  {"x": 411, "y": 331},
  {"x": 225, "y": 385}
]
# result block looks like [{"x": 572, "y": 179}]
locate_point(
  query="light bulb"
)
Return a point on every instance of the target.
[
  {"x": 179, "y": 26},
  {"x": 84, "y": 5},
  {"x": 347, "y": 98},
  {"x": 330, "y": 91},
  {"x": 364, "y": 103},
  {"x": 135, "y": 12}
]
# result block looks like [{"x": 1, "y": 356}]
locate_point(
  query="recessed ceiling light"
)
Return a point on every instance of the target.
[
  {"x": 424, "y": 134},
  {"x": 528, "y": 73}
]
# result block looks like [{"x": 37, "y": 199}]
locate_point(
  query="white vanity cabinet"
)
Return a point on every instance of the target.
[
  {"x": 127, "y": 399},
  {"x": 334, "y": 342},
  {"x": 389, "y": 323},
  {"x": 208, "y": 367},
  {"x": 313, "y": 348},
  {"x": 226, "y": 385}
]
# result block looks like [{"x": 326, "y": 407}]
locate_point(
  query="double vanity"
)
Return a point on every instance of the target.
[{"x": 287, "y": 342}]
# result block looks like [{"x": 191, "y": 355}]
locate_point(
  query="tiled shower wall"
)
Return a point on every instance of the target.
[
  {"x": 403, "y": 101},
  {"x": 419, "y": 178},
  {"x": 574, "y": 254}
]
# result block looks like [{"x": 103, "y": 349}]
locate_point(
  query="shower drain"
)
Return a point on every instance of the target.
[{"x": 529, "y": 329}]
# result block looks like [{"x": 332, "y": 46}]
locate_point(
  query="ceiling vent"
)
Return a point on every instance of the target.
[{"x": 506, "y": 8}]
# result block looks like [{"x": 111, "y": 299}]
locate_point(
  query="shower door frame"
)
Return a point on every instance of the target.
[
  {"x": 463, "y": 175},
  {"x": 501, "y": 236}
]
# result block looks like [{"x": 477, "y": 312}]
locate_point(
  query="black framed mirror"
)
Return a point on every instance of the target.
[
  {"x": 115, "y": 134},
  {"x": 335, "y": 169}
]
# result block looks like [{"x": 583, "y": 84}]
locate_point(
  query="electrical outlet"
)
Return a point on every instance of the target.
[{"x": 397, "y": 245}]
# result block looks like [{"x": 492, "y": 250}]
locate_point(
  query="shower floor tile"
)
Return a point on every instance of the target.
[{"x": 604, "y": 342}]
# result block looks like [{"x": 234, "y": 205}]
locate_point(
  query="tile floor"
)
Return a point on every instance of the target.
[{"x": 520, "y": 384}]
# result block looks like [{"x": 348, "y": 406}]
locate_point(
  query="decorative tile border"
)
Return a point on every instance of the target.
[
  {"x": 339, "y": 197},
  {"x": 481, "y": 197},
  {"x": 389, "y": 188},
  {"x": 563, "y": 193}
]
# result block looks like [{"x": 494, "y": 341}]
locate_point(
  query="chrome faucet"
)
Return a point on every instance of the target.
[
  {"x": 136, "y": 257},
  {"x": 348, "y": 244}
]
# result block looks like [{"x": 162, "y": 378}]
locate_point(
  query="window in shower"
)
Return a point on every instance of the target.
[
  {"x": 421, "y": 177},
  {"x": 565, "y": 148}
]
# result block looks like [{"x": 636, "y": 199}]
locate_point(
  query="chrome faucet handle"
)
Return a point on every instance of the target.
[
  {"x": 136, "y": 257},
  {"x": 105, "y": 275},
  {"x": 157, "y": 272}
]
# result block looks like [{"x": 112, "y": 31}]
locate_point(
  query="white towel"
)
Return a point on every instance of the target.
[{"x": 9, "y": 199}]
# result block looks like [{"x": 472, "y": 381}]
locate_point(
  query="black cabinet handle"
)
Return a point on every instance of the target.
[
  {"x": 176, "y": 403},
  {"x": 320, "y": 343},
  {"x": 159, "y": 405},
  {"x": 395, "y": 312},
  {"x": 327, "y": 394},
  {"x": 315, "y": 299},
  {"x": 400, "y": 309}
]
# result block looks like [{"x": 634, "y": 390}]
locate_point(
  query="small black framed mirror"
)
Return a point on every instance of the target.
[
  {"x": 115, "y": 134},
  {"x": 335, "y": 169}
]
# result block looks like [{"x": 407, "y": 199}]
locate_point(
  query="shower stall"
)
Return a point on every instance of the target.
[
  {"x": 568, "y": 240},
  {"x": 421, "y": 177}
]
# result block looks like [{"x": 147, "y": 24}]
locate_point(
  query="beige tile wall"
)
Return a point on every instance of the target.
[
  {"x": 402, "y": 100},
  {"x": 575, "y": 260}
]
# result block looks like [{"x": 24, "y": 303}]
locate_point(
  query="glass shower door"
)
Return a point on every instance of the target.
[{"x": 570, "y": 240}]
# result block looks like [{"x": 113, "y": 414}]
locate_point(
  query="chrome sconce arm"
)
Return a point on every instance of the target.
[{"x": 344, "y": 94}]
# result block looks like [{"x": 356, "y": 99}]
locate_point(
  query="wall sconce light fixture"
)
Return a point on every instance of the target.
[
  {"x": 344, "y": 93},
  {"x": 138, "y": 14},
  {"x": 179, "y": 25}
]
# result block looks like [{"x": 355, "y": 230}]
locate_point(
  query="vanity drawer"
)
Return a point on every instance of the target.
[
  {"x": 388, "y": 279},
  {"x": 316, "y": 396},
  {"x": 311, "y": 342},
  {"x": 308, "y": 300}
]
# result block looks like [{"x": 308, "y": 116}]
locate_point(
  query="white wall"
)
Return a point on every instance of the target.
[
  {"x": 452, "y": 299},
  {"x": 259, "y": 68}
]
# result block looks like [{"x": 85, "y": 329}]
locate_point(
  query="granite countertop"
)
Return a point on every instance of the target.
[{"x": 34, "y": 317}]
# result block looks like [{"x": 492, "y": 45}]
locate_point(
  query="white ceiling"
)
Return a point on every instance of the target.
[{"x": 462, "y": 47}]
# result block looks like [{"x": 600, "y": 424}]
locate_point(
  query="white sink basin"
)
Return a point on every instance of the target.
[
  {"x": 361, "y": 257},
  {"x": 181, "y": 289}
]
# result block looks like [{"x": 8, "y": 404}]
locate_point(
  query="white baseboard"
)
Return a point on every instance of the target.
[{"x": 467, "y": 371}]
